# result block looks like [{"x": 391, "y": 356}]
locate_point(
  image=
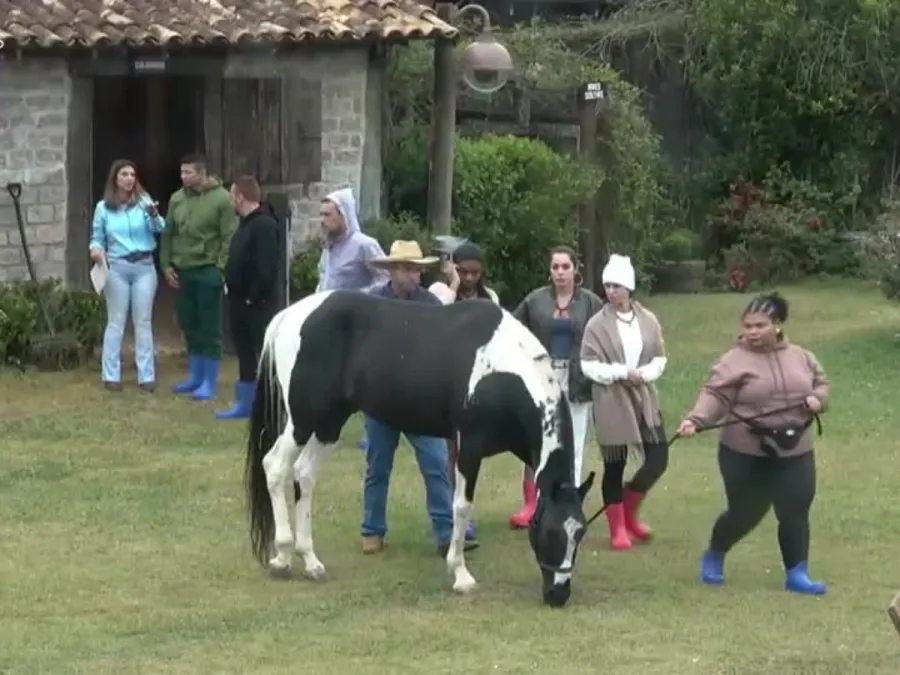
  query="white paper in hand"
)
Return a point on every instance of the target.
[{"x": 99, "y": 274}]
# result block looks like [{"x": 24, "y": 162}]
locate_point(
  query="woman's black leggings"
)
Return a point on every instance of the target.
[
  {"x": 656, "y": 461},
  {"x": 752, "y": 485}
]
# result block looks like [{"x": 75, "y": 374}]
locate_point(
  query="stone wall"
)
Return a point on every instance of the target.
[
  {"x": 351, "y": 128},
  {"x": 34, "y": 99}
]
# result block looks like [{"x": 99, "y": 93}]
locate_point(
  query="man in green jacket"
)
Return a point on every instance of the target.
[{"x": 194, "y": 248}]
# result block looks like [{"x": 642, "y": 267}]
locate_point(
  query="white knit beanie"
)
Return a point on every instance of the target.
[{"x": 619, "y": 271}]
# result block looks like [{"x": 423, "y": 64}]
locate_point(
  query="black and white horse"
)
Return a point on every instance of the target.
[{"x": 468, "y": 371}]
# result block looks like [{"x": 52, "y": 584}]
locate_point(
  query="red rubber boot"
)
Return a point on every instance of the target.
[
  {"x": 618, "y": 534},
  {"x": 521, "y": 520},
  {"x": 633, "y": 524}
]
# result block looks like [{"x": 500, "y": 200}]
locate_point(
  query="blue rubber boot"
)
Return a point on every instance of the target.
[
  {"x": 712, "y": 568},
  {"x": 207, "y": 390},
  {"x": 798, "y": 581},
  {"x": 363, "y": 444},
  {"x": 195, "y": 376},
  {"x": 243, "y": 397},
  {"x": 470, "y": 532}
]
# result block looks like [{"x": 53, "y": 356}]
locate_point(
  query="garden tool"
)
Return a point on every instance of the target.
[
  {"x": 446, "y": 244},
  {"x": 49, "y": 350}
]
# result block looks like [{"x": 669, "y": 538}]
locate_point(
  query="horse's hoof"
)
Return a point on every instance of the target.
[
  {"x": 280, "y": 573},
  {"x": 465, "y": 587},
  {"x": 316, "y": 573}
]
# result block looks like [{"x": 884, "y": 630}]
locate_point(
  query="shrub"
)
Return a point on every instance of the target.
[
  {"x": 305, "y": 269},
  {"x": 880, "y": 249},
  {"x": 679, "y": 244},
  {"x": 402, "y": 226},
  {"x": 81, "y": 314},
  {"x": 756, "y": 237},
  {"x": 515, "y": 197}
]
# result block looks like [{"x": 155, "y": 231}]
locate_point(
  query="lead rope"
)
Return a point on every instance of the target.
[{"x": 719, "y": 425}]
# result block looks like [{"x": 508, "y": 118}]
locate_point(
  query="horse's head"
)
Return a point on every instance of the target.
[{"x": 555, "y": 532}]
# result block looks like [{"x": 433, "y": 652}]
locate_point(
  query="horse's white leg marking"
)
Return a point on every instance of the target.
[
  {"x": 463, "y": 581},
  {"x": 306, "y": 470},
  {"x": 277, "y": 465},
  {"x": 581, "y": 413}
]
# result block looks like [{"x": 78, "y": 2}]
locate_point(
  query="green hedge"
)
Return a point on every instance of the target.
[{"x": 79, "y": 314}]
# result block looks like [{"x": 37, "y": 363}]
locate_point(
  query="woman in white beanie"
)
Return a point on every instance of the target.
[
  {"x": 557, "y": 315},
  {"x": 624, "y": 354}
]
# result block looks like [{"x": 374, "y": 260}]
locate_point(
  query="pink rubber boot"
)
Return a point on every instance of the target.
[
  {"x": 618, "y": 535},
  {"x": 521, "y": 520},
  {"x": 633, "y": 524}
]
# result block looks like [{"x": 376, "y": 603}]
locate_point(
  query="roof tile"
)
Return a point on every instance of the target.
[{"x": 67, "y": 23}]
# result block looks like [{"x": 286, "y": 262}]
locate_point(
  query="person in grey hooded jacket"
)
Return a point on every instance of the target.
[
  {"x": 346, "y": 258},
  {"x": 346, "y": 261}
]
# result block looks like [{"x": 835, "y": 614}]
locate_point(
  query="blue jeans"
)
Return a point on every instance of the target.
[
  {"x": 431, "y": 455},
  {"x": 130, "y": 285}
]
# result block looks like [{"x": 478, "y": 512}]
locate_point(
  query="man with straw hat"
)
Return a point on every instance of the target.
[{"x": 404, "y": 265}]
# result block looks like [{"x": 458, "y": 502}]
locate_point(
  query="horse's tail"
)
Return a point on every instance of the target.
[{"x": 267, "y": 420}]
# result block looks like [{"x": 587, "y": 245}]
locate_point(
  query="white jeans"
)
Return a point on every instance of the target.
[{"x": 580, "y": 412}]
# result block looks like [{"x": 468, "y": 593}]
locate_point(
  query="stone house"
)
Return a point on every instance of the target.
[{"x": 288, "y": 90}]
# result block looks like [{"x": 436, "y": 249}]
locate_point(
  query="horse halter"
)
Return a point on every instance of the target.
[{"x": 532, "y": 538}]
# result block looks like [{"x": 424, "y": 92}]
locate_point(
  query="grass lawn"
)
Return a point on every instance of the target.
[{"x": 123, "y": 541}]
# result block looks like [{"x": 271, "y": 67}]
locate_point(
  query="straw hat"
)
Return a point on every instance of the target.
[{"x": 408, "y": 252}]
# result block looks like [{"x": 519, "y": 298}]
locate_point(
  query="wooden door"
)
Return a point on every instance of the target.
[{"x": 269, "y": 128}]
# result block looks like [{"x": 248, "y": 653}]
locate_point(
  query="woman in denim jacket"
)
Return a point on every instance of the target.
[{"x": 126, "y": 222}]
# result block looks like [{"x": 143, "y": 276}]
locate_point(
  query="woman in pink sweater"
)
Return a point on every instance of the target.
[{"x": 766, "y": 460}]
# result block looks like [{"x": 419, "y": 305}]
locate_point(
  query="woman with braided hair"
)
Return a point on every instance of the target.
[{"x": 767, "y": 392}]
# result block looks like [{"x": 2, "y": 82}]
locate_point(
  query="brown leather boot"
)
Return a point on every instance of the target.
[{"x": 372, "y": 545}]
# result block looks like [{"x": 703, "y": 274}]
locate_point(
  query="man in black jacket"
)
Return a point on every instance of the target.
[{"x": 251, "y": 282}]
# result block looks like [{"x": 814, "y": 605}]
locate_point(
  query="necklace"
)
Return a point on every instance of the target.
[
  {"x": 562, "y": 311},
  {"x": 627, "y": 322}
]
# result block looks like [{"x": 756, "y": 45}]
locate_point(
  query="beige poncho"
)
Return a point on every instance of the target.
[{"x": 626, "y": 415}]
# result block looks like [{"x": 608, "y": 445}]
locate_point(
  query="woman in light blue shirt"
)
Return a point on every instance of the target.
[{"x": 125, "y": 223}]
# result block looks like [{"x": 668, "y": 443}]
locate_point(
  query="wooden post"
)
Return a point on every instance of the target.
[
  {"x": 596, "y": 213},
  {"x": 605, "y": 200},
  {"x": 443, "y": 130},
  {"x": 587, "y": 211},
  {"x": 894, "y": 612}
]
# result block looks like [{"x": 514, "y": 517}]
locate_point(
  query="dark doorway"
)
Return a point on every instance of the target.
[{"x": 153, "y": 121}]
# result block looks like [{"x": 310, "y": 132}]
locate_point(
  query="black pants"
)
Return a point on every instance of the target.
[
  {"x": 248, "y": 328},
  {"x": 752, "y": 485},
  {"x": 656, "y": 461}
]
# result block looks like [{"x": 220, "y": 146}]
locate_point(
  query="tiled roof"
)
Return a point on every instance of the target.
[{"x": 66, "y": 23}]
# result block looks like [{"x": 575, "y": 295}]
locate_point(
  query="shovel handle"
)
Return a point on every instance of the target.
[{"x": 14, "y": 190}]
